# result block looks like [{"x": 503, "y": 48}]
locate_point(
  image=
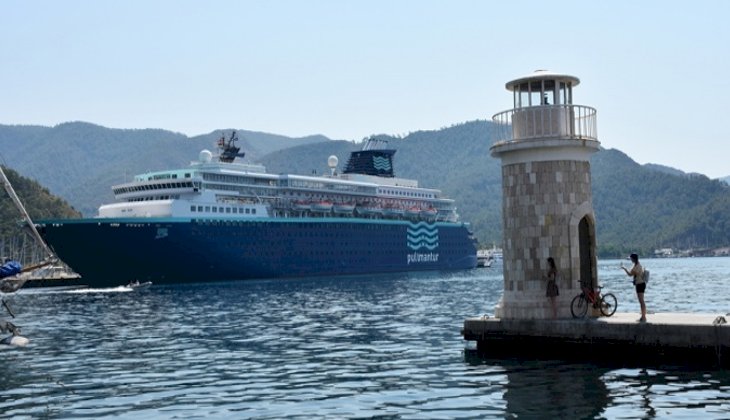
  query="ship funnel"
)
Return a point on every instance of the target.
[{"x": 373, "y": 159}]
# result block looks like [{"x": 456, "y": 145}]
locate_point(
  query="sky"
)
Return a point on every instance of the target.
[{"x": 657, "y": 72}]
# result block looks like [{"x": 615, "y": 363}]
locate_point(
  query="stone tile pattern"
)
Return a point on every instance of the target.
[{"x": 539, "y": 201}]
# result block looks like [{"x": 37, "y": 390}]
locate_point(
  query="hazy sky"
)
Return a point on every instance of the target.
[{"x": 656, "y": 71}]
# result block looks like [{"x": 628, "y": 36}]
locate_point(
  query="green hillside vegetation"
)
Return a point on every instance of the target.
[
  {"x": 38, "y": 202},
  {"x": 638, "y": 208},
  {"x": 652, "y": 209}
]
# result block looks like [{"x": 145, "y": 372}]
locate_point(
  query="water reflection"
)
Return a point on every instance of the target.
[
  {"x": 671, "y": 392},
  {"x": 549, "y": 389}
]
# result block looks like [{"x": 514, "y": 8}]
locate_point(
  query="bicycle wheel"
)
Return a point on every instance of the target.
[
  {"x": 579, "y": 306},
  {"x": 608, "y": 304}
]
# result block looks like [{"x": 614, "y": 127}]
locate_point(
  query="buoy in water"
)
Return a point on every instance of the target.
[{"x": 15, "y": 340}]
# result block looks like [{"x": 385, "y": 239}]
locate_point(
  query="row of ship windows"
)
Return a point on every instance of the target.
[
  {"x": 343, "y": 233},
  {"x": 242, "y": 190},
  {"x": 146, "y": 187},
  {"x": 254, "y": 190},
  {"x": 345, "y": 248},
  {"x": 330, "y": 236},
  {"x": 406, "y": 194},
  {"x": 312, "y": 226},
  {"x": 335, "y": 240},
  {"x": 303, "y": 184},
  {"x": 255, "y": 181},
  {"x": 229, "y": 210},
  {"x": 234, "y": 179},
  {"x": 315, "y": 185},
  {"x": 168, "y": 176},
  {"x": 384, "y": 250},
  {"x": 157, "y": 197},
  {"x": 313, "y": 231}
]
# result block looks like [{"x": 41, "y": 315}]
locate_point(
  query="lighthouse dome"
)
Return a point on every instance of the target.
[{"x": 539, "y": 75}]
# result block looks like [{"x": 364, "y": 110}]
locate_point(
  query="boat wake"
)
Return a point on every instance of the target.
[
  {"x": 75, "y": 290},
  {"x": 118, "y": 289}
]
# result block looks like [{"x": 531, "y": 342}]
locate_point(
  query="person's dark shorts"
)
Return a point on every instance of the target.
[{"x": 640, "y": 288}]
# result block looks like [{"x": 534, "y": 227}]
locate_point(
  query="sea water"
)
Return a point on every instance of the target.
[{"x": 386, "y": 346}]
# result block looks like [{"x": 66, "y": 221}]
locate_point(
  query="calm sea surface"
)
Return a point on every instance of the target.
[{"x": 354, "y": 347}]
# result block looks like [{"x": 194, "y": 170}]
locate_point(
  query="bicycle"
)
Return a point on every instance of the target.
[{"x": 606, "y": 303}]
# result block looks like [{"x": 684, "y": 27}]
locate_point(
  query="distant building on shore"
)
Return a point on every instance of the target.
[
  {"x": 664, "y": 252},
  {"x": 692, "y": 252}
]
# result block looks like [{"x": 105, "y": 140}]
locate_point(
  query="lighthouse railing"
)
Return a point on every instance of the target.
[{"x": 546, "y": 121}]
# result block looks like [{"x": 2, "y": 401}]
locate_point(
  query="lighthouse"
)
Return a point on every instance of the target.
[{"x": 545, "y": 143}]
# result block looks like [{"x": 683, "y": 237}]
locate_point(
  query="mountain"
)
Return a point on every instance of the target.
[
  {"x": 651, "y": 209},
  {"x": 665, "y": 169},
  {"x": 638, "y": 208}
]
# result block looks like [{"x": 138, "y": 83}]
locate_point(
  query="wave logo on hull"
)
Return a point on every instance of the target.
[
  {"x": 381, "y": 163},
  {"x": 424, "y": 238},
  {"x": 422, "y": 235}
]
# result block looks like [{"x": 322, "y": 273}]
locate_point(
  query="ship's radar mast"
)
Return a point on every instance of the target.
[{"x": 228, "y": 148}]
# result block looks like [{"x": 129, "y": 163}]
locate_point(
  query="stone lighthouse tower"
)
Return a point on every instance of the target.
[{"x": 545, "y": 143}]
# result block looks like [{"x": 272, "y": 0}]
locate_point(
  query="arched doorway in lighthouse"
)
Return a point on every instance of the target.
[{"x": 587, "y": 249}]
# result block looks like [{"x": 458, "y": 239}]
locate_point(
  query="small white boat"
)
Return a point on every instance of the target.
[
  {"x": 137, "y": 285},
  {"x": 484, "y": 258}
]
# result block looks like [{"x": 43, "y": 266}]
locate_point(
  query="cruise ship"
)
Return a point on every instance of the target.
[{"x": 222, "y": 219}]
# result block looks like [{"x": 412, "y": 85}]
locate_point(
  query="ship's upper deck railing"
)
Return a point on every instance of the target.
[{"x": 546, "y": 121}]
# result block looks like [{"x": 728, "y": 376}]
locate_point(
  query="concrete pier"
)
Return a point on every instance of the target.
[{"x": 683, "y": 339}]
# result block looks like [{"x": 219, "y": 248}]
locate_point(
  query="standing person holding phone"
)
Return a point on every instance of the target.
[{"x": 637, "y": 272}]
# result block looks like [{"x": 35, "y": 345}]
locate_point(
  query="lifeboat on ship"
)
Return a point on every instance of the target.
[
  {"x": 323, "y": 206},
  {"x": 393, "y": 211},
  {"x": 369, "y": 209},
  {"x": 302, "y": 205},
  {"x": 413, "y": 212},
  {"x": 343, "y": 208},
  {"x": 429, "y": 213}
]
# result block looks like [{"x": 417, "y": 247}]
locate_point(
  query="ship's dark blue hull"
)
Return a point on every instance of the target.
[{"x": 112, "y": 252}]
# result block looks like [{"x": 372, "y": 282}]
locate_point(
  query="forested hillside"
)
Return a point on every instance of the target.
[
  {"x": 653, "y": 209},
  {"x": 638, "y": 208},
  {"x": 38, "y": 202}
]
